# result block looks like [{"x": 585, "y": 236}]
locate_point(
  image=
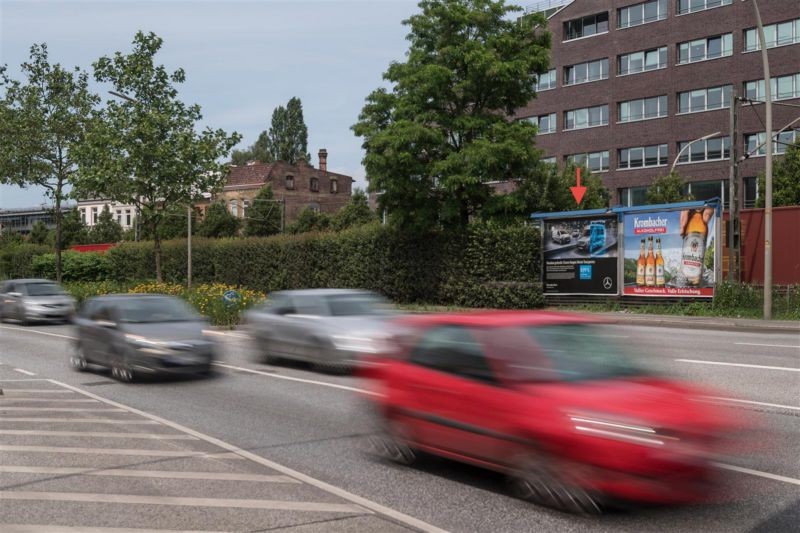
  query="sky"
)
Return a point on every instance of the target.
[{"x": 242, "y": 59}]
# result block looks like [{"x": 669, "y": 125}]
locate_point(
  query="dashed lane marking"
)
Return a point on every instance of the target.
[
  {"x": 64, "y": 409},
  {"x": 59, "y": 400},
  {"x": 743, "y": 365},
  {"x": 27, "y": 330},
  {"x": 767, "y": 345},
  {"x": 41, "y": 528},
  {"x": 11, "y": 392},
  {"x": 758, "y": 473},
  {"x": 21, "y": 371},
  {"x": 78, "y": 420},
  {"x": 96, "y": 434},
  {"x": 764, "y": 404}
]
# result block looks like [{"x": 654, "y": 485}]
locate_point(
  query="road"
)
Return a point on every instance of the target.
[{"x": 261, "y": 447}]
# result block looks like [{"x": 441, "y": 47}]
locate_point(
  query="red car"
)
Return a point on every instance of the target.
[{"x": 549, "y": 400}]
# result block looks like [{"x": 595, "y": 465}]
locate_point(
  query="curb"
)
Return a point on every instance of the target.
[{"x": 791, "y": 327}]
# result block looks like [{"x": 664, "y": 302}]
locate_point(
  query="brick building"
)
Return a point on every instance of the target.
[
  {"x": 299, "y": 186},
  {"x": 632, "y": 83}
]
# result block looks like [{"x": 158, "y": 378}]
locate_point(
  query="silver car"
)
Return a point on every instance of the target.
[
  {"x": 35, "y": 300},
  {"x": 329, "y": 328}
]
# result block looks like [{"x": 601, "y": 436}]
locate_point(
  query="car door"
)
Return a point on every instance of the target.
[
  {"x": 302, "y": 327},
  {"x": 99, "y": 334},
  {"x": 5, "y": 299}
]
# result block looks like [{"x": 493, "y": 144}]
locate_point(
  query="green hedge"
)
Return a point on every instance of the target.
[
  {"x": 75, "y": 266},
  {"x": 16, "y": 261}
]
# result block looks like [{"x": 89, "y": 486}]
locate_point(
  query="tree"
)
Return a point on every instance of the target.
[
  {"x": 173, "y": 225},
  {"x": 355, "y": 213},
  {"x": 218, "y": 222},
  {"x": 264, "y": 216},
  {"x": 668, "y": 189},
  {"x": 145, "y": 150},
  {"x": 73, "y": 230},
  {"x": 310, "y": 220},
  {"x": 259, "y": 151},
  {"x": 435, "y": 138},
  {"x": 785, "y": 179},
  {"x": 107, "y": 229},
  {"x": 288, "y": 134},
  {"x": 42, "y": 122},
  {"x": 39, "y": 233}
]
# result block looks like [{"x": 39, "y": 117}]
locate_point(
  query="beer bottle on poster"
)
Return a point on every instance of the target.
[
  {"x": 650, "y": 265},
  {"x": 640, "y": 266},
  {"x": 660, "y": 281},
  {"x": 694, "y": 248}
]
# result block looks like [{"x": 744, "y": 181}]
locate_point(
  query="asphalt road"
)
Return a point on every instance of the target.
[{"x": 261, "y": 447}]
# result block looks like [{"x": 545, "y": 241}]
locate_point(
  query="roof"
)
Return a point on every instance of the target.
[
  {"x": 501, "y": 319},
  {"x": 255, "y": 174}
]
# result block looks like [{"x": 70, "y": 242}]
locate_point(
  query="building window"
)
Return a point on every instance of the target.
[
  {"x": 779, "y": 34},
  {"x": 289, "y": 181},
  {"x": 706, "y": 190},
  {"x": 119, "y": 216},
  {"x": 636, "y": 62},
  {"x": 549, "y": 160},
  {"x": 783, "y": 88},
  {"x": 245, "y": 207},
  {"x": 314, "y": 185},
  {"x": 643, "y": 157},
  {"x": 755, "y": 143},
  {"x": 83, "y": 215},
  {"x": 643, "y": 109},
  {"x": 234, "y": 208},
  {"x": 94, "y": 216},
  {"x": 631, "y": 196},
  {"x": 639, "y": 14},
  {"x": 750, "y": 192},
  {"x": 586, "y": 26},
  {"x": 705, "y": 99},
  {"x": 546, "y": 81},
  {"x": 334, "y": 186},
  {"x": 314, "y": 206},
  {"x": 586, "y": 72},
  {"x": 128, "y": 217},
  {"x": 586, "y": 117},
  {"x": 693, "y": 6},
  {"x": 594, "y": 161},
  {"x": 708, "y": 48},
  {"x": 545, "y": 123},
  {"x": 706, "y": 150}
]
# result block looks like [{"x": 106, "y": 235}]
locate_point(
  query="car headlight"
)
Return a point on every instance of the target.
[
  {"x": 615, "y": 428},
  {"x": 147, "y": 345}
]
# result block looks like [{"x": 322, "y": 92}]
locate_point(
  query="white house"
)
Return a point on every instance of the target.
[{"x": 90, "y": 211}]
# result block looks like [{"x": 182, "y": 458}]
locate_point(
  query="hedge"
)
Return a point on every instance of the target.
[{"x": 16, "y": 261}]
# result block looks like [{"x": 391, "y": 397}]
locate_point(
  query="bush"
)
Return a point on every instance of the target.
[
  {"x": 81, "y": 290},
  {"x": 75, "y": 266},
  {"x": 16, "y": 260}
]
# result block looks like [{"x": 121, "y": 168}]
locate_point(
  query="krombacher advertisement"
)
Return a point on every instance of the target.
[
  {"x": 580, "y": 255},
  {"x": 670, "y": 253}
]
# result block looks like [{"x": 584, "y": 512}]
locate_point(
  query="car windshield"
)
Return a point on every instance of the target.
[
  {"x": 155, "y": 309},
  {"x": 357, "y": 305},
  {"x": 562, "y": 353},
  {"x": 43, "y": 289}
]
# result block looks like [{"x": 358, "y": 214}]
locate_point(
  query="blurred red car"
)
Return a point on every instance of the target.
[{"x": 548, "y": 399}]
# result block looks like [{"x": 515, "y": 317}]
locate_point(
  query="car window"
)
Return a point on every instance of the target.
[
  {"x": 43, "y": 289},
  {"x": 454, "y": 350},
  {"x": 306, "y": 304},
  {"x": 101, "y": 312},
  {"x": 88, "y": 308},
  {"x": 356, "y": 304},
  {"x": 154, "y": 309}
]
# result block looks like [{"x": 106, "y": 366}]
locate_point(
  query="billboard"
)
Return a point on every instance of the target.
[
  {"x": 580, "y": 255},
  {"x": 670, "y": 253}
]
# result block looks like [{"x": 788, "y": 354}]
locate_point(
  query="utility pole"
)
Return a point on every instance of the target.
[
  {"x": 733, "y": 219},
  {"x": 283, "y": 215},
  {"x": 189, "y": 247},
  {"x": 767, "y": 171}
]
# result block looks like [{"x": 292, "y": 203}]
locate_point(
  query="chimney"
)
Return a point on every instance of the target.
[{"x": 323, "y": 160}]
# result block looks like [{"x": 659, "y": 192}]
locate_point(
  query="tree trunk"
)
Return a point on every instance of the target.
[
  {"x": 57, "y": 216},
  {"x": 157, "y": 251}
]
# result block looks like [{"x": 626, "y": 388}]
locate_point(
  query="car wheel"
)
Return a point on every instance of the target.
[
  {"x": 391, "y": 444},
  {"x": 537, "y": 480},
  {"x": 121, "y": 371},
  {"x": 78, "y": 361}
]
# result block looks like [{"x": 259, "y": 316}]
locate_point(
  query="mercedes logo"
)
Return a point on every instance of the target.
[{"x": 607, "y": 283}]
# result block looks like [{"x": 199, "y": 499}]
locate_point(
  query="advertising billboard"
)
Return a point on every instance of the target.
[
  {"x": 580, "y": 255},
  {"x": 670, "y": 253}
]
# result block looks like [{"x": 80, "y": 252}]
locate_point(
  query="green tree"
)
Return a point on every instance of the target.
[
  {"x": 107, "y": 230},
  {"x": 39, "y": 233},
  {"x": 73, "y": 230},
  {"x": 42, "y": 121},
  {"x": 264, "y": 216},
  {"x": 259, "y": 151},
  {"x": 173, "y": 225},
  {"x": 9, "y": 238},
  {"x": 435, "y": 138},
  {"x": 145, "y": 150},
  {"x": 286, "y": 140},
  {"x": 668, "y": 189},
  {"x": 310, "y": 220},
  {"x": 355, "y": 213},
  {"x": 785, "y": 179},
  {"x": 218, "y": 222}
]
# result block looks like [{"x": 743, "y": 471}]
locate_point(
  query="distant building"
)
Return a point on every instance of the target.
[
  {"x": 90, "y": 210},
  {"x": 632, "y": 83},
  {"x": 21, "y": 220},
  {"x": 297, "y": 186}
]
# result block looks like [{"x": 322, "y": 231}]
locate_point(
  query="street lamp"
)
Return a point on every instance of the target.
[{"x": 703, "y": 138}]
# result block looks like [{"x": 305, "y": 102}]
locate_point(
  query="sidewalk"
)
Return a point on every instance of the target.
[{"x": 703, "y": 322}]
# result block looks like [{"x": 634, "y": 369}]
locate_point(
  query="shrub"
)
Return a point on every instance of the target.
[
  {"x": 75, "y": 266},
  {"x": 80, "y": 290},
  {"x": 16, "y": 260}
]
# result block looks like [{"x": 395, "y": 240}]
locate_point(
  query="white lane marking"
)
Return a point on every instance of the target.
[
  {"x": 369, "y": 504},
  {"x": 786, "y": 368},
  {"x": 78, "y": 420},
  {"x": 21, "y": 371},
  {"x": 95, "y": 434},
  {"x": 38, "y": 391},
  {"x": 165, "y": 474},
  {"x": 41, "y": 528},
  {"x": 55, "y": 400},
  {"x": 26, "y": 330},
  {"x": 115, "y": 451},
  {"x": 18, "y": 380},
  {"x": 758, "y": 473},
  {"x": 229, "y": 503},
  {"x": 754, "y": 403},
  {"x": 767, "y": 345},
  {"x": 291, "y": 378},
  {"x": 64, "y": 409}
]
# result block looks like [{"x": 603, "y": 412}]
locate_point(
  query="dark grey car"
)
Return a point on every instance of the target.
[
  {"x": 35, "y": 300},
  {"x": 138, "y": 334},
  {"x": 330, "y": 328}
]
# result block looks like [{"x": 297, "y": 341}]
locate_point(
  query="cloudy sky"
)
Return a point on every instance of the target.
[{"x": 242, "y": 58}]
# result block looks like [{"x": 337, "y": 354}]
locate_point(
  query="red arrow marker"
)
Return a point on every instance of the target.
[{"x": 578, "y": 191}]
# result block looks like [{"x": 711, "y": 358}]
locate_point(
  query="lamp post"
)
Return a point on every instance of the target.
[{"x": 703, "y": 138}]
